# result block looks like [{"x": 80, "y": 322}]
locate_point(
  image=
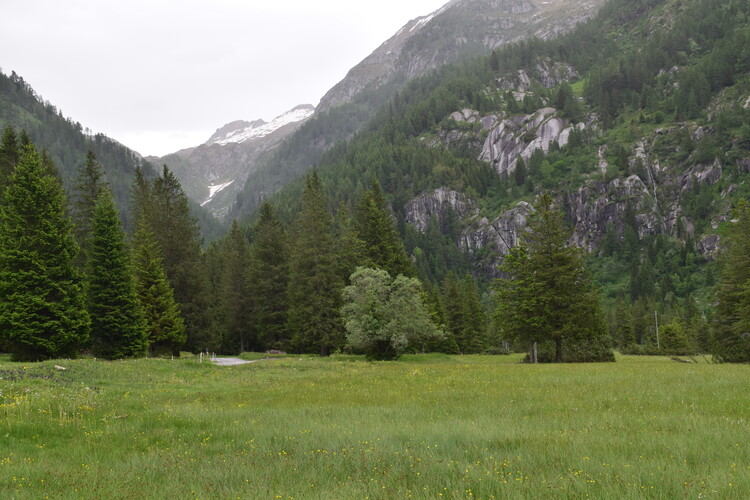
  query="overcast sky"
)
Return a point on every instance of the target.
[{"x": 161, "y": 75}]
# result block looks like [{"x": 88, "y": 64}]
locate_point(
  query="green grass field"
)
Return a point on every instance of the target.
[{"x": 423, "y": 427}]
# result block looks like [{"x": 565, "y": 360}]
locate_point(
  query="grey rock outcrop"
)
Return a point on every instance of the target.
[
  {"x": 458, "y": 29},
  {"x": 420, "y": 210},
  {"x": 520, "y": 136}
]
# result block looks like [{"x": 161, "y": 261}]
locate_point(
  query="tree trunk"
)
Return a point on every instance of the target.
[
  {"x": 558, "y": 350},
  {"x": 324, "y": 351},
  {"x": 533, "y": 354}
]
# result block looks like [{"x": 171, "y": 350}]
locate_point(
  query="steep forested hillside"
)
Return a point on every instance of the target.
[
  {"x": 457, "y": 31},
  {"x": 637, "y": 123},
  {"x": 67, "y": 142}
]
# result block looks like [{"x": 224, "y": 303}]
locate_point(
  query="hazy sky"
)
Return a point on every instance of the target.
[{"x": 161, "y": 75}]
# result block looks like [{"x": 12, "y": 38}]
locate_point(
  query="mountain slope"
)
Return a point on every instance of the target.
[
  {"x": 637, "y": 122},
  {"x": 215, "y": 171},
  {"x": 67, "y": 143},
  {"x": 459, "y": 30}
]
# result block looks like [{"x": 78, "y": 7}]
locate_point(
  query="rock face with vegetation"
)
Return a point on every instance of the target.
[
  {"x": 459, "y": 29},
  {"x": 214, "y": 172}
]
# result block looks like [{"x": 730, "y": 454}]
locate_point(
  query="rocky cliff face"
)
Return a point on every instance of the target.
[
  {"x": 654, "y": 191},
  {"x": 460, "y": 28},
  {"x": 214, "y": 172}
]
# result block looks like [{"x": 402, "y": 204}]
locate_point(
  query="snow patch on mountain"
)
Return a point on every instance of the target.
[
  {"x": 214, "y": 189},
  {"x": 260, "y": 128}
]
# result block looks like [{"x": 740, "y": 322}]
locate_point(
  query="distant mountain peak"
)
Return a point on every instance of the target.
[{"x": 240, "y": 131}]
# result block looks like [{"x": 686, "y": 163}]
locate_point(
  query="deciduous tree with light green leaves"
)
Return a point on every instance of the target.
[
  {"x": 42, "y": 303},
  {"x": 385, "y": 316}
]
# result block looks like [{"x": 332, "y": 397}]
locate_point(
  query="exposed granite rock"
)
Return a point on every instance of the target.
[
  {"x": 521, "y": 136},
  {"x": 420, "y": 210}
]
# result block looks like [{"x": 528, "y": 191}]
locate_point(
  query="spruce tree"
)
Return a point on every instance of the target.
[
  {"x": 732, "y": 320},
  {"x": 117, "y": 323},
  {"x": 548, "y": 295},
  {"x": 314, "y": 283},
  {"x": 269, "y": 279},
  {"x": 382, "y": 246},
  {"x": 168, "y": 215},
  {"x": 9, "y": 155},
  {"x": 235, "y": 294},
  {"x": 164, "y": 325},
  {"x": 475, "y": 317},
  {"x": 42, "y": 304},
  {"x": 454, "y": 311},
  {"x": 89, "y": 185}
]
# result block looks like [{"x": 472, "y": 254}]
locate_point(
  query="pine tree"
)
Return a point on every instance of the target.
[
  {"x": 732, "y": 321},
  {"x": 164, "y": 325},
  {"x": 314, "y": 284},
  {"x": 235, "y": 294},
  {"x": 117, "y": 323},
  {"x": 42, "y": 303},
  {"x": 382, "y": 247},
  {"x": 269, "y": 279},
  {"x": 88, "y": 187},
  {"x": 548, "y": 294}
]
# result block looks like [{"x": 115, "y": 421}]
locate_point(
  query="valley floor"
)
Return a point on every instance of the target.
[{"x": 423, "y": 427}]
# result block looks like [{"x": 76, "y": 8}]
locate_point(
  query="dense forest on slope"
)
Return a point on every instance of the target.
[
  {"x": 656, "y": 95},
  {"x": 632, "y": 130},
  {"x": 67, "y": 143}
]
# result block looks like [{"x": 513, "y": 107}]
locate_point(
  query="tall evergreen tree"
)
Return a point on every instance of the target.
[
  {"x": 269, "y": 279},
  {"x": 381, "y": 244},
  {"x": 235, "y": 294},
  {"x": 475, "y": 317},
  {"x": 314, "y": 284},
  {"x": 176, "y": 230},
  {"x": 164, "y": 325},
  {"x": 88, "y": 187},
  {"x": 9, "y": 155},
  {"x": 117, "y": 324},
  {"x": 732, "y": 320},
  {"x": 548, "y": 294},
  {"x": 42, "y": 303}
]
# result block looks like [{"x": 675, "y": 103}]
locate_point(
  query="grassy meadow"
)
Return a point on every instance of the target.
[{"x": 423, "y": 427}]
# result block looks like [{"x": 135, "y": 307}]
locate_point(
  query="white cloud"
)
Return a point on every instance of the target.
[{"x": 155, "y": 74}]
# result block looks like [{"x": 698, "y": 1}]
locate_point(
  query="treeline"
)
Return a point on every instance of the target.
[{"x": 72, "y": 280}]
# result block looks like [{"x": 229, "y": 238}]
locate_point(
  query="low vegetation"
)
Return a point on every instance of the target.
[{"x": 428, "y": 426}]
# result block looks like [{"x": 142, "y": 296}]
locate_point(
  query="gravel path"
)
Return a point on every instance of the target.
[{"x": 232, "y": 361}]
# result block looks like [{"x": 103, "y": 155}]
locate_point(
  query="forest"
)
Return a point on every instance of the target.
[{"x": 320, "y": 266}]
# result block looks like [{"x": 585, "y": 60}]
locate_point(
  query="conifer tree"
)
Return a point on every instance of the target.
[
  {"x": 89, "y": 186},
  {"x": 453, "y": 310},
  {"x": 117, "y": 323},
  {"x": 168, "y": 215},
  {"x": 314, "y": 283},
  {"x": 42, "y": 303},
  {"x": 164, "y": 325},
  {"x": 381, "y": 245},
  {"x": 475, "y": 317},
  {"x": 548, "y": 294},
  {"x": 235, "y": 294},
  {"x": 269, "y": 279},
  {"x": 9, "y": 155},
  {"x": 732, "y": 320}
]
